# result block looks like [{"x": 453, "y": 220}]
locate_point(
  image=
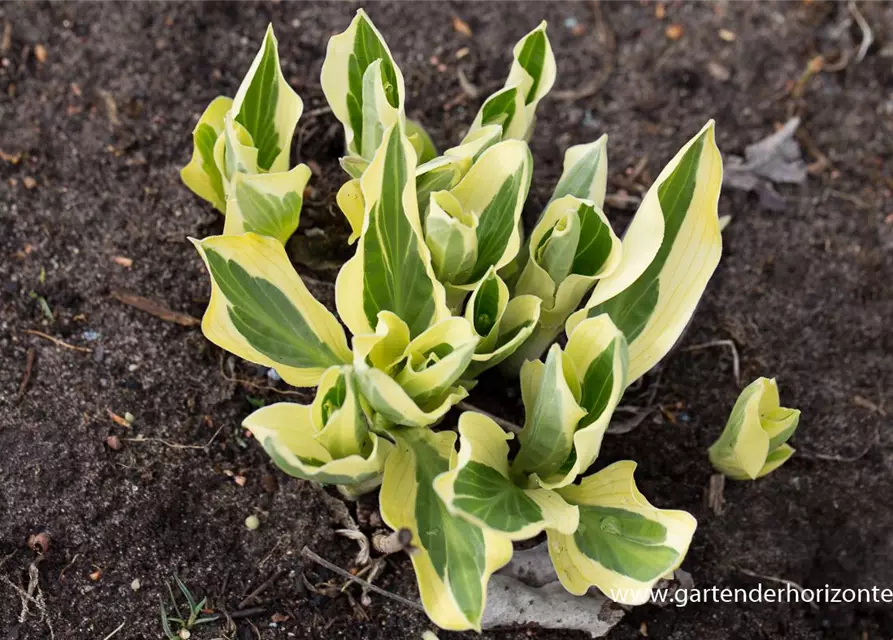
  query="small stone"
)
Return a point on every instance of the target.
[
  {"x": 728, "y": 36},
  {"x": 40, "y": 52},
  {"x": 135, "y": 585},
  {"x": 252, "y": 522},
  {"x": 273, "y": 375},
  {"x": 29, "y": 182},
  {"x": 113, "y": 442},
  {"x": 129, "y": 417},
  {"x": 718, "y": 71}
]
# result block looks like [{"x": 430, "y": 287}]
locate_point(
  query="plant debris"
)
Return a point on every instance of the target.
[
  {"x": 156, "y": 309},
  {"x": 774, "y": 159}
]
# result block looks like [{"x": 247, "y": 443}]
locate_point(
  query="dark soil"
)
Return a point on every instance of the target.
[{"x": 103, "y": 125}]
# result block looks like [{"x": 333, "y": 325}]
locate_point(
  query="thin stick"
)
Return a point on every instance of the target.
[
  {"x": 175, "y": 445},
  {"x": 57, "y": 341},
  {"x": 736, "y": 363},
  {"x": 120, "y": 626},
  {"x": 154, "y": 308},
  {"x": 307, "y": 553},
  {"x": 247, "y": 613},
  {"x": 263, "y": 587},
  {"x": 784, "y": 581},
  {"x": 827, "y": 457},
  {"x": 505, "y": 424},
  {"x": 68, "y": 566},
  {"x": 255, "y": 385},
  {"x": 29, "y": 365},
  {"x": 867, "y": 35}
]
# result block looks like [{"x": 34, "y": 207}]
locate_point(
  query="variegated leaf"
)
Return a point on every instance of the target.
[
  {"x": 421, "y": 141},
  {"x": 570, "y": 249},
  {"x": 671, "y": 249},
  {"x": 530, "y": 79},
  {"x": 753, "y": 442},
  {"x": 596, "y": 362},
  {"x": 261, "y": 311},
  {"x": 453, "y": 558},
  {"x": 201, "y": 175},
  {"x": 623, "y": 545},
  {"x": 444, "y": 172},
  {"x": 338, "y": 415},
  {"x": 480, "y": 487},
  {"x": 494, "y": 191},
  {"x": 350, "y": 201},
  {"x": 268, "y": 204},
  {"x": 391, "y": 270},
  {"x": 503, "y": 324},
  {"x": 366, "y": 103},
  {"x": 268, "y": 108},
  {"x": 552, "y": 414},
  {"x": 287, "y": 433},
  {"x": 416, "y": 386},
  {"x": 585, "y": 173},
  {"x": 451, "y": 238},
  {"x": 234, "y": 152}
]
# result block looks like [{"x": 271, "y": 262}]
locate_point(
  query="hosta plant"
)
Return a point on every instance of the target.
[
  {"x": 754, "y": 441},
  {"x": 443, "y": 285}
]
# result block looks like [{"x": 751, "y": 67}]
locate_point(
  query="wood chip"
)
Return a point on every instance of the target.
[
  {"x": 29, "y": 182},
  {"x": 660, "y": 11},
  {"x": 156, "y": 309},
  {"x": 11, "y": 158},
  {"x": 6, "y": 40},
  {"x": 124, "y": 261},
  {"x": 124, "y": 422},
  {"x": 674, "y": 31},
  {"x": 460, "y": 26},
  {"x": 715, "y": 493},
  {"x": 40, "y": 52}
]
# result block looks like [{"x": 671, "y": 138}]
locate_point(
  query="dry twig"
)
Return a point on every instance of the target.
[
  {"x": 256, "y": 385},
  {"x": 175, "y": 445},
  {"x": 56, "y": 341},
  {"x": 29, "y": 366},
  {"x": 310, "y": 555},
  {"x": 263, "y": 587},
  {"x": 784, "y": 581},
  {"x": 736, "y": 363},
  {"x": 867, "y": 35},
  {"x": 156, "y": 309}
]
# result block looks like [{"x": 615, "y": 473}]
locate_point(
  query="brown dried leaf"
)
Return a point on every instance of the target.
[
  {"x": 460, "y": 26},
  {"x": 156, "y": 309}
]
